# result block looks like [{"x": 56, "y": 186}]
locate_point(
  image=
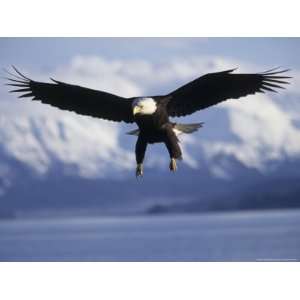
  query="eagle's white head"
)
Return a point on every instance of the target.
[{"x": 144, "y": 106}]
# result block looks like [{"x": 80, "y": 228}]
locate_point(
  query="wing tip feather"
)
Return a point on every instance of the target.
[
  {"x": 22, "y": 75},
  {"x": 273, "y": 79}
]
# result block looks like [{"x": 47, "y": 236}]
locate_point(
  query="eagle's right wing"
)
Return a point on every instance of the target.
[
  {"x": 75, "y": 98},
  {"x": 214, "y": 88}
]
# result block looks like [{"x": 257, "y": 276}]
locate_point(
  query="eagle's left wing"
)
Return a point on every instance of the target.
[
  {"x": 74, "y": 98},
  {"x": 213, "y": 88}
]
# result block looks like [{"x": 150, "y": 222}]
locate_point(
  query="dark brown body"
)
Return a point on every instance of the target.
[{"x": 156, "y": 128}]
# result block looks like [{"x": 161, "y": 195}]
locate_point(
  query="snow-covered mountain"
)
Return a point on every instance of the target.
[{"x": 243, "y": 142}]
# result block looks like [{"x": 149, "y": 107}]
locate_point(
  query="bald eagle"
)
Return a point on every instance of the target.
[{"x": 151, "y": 113}]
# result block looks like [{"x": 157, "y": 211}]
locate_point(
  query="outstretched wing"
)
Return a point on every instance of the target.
[
  {"x": 213, "y": 88},
  {"x": 75, "y": 98}
]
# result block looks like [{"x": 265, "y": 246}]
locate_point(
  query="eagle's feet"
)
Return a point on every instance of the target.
[
  {"x": 139, "y": 170},
  {"x": 173, "y": 165}
]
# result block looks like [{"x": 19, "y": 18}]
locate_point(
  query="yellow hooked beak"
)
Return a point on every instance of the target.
[{"x": 136, "y": 110}]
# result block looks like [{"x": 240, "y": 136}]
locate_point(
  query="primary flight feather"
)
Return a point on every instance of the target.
[{"x": 151, "y": 113}]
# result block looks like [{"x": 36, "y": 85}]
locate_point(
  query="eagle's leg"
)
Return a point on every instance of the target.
[
  {"x": 172, "y": 144},
  {"x": 140, "y": 150}
]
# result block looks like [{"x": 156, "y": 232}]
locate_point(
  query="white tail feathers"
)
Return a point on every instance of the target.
[
  {"x": 134, "y": 132},
  {"x": 177, "y": 128},
  {"x": 187, "y": 128}
]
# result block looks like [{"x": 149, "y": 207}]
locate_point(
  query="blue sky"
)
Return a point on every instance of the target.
[{"x": 46, "y": 53}]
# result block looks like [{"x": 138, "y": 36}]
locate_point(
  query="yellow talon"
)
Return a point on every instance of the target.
[
  {"x": 139, "y": 170},
  {"x": 173, "y": 165}
]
